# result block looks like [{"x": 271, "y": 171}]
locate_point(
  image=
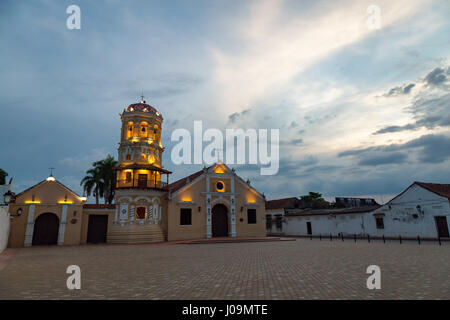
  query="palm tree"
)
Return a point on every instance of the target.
[
  {"x": 101, "y": 179},
  {"x": 92, "y": 183},
  {"x": 3, "y": 175},
  {"x": 108, "y": 176}
]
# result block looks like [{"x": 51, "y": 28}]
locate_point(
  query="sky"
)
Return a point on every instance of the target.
[{"x": 361, "y": 111}]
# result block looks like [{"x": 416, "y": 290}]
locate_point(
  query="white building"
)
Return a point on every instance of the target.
[
  {"x": 423, "y": 209},
  {"x": 275, "y": 210},
  {"x": 334, "y": 221},
  {"x": 4, "y": 216}
]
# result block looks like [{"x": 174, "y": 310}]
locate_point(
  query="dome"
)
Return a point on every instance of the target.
[{"x": 141, "y": 107}]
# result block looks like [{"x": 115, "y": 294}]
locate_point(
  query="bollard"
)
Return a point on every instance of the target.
[
  {"x": 355, "y": 238},
  {"x": 439, "y": 239},
  {"x": 418, "y": 240},
  {"x": 320, "y": 237},
  {"x": 331, "y": 237},
  {"x": 342, "y": 236},
  {"x": 368, "y": 238},
  {"x": 384, "y": 240},
  {"x": 400, "y": 238}
]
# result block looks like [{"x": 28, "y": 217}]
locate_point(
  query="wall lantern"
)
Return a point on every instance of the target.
[
  {"x": 199, "y": 209},
  {"x": 8, "y": 197},
  {"x": 242, "y": 209}
]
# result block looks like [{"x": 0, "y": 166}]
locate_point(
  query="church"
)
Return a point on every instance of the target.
[{"x": 212, "y": 202}]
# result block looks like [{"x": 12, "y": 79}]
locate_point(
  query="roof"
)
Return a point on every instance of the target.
[
  {"x": 143, "y": 166},
  {"x": 442, "y": 190},
  {"x": 43, "y": 181},
  {"x": 330, "y": 211},
  {"x": 174, "y": 186},
  {"x": 281, "y": 203},
  {"x": 98, "y": 206},
  {"x": 141, "y": 107}
]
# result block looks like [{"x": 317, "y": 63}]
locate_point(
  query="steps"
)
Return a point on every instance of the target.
[{"x": 135, "y": 233}]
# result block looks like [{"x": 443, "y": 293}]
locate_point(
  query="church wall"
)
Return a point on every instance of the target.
[
  {"x": 19, "y": 224},
  {"x": 247, "y": 198},
  {"x": 182, "y": 200}
]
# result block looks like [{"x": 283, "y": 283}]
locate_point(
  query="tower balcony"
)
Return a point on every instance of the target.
[{"x": 141, "y": 176}]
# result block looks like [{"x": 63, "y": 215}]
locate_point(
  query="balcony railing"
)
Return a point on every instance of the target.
[{"x": 142, "y": 184}]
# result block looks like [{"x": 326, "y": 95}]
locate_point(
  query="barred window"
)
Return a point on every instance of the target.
[{"x": 185, "y": 217}]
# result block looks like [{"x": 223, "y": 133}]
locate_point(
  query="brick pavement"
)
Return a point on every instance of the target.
[{"x": 301, "y": 269}]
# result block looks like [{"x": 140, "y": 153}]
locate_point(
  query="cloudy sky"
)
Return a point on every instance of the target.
[{"x": 361, "y": 111}]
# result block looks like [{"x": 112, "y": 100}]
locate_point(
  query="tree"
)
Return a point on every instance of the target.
[
  {"x": 101, "y": 179},
  {"x": 314, "y": 200},
  {"x": 3, "y": 175}
]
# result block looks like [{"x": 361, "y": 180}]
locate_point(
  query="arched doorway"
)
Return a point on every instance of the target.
[
  {"x": 46, "y": 229},
  {"x": 219, "y": 221}
]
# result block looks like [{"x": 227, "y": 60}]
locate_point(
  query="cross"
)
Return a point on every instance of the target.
[
  {"x": 51, "y": 171},
  {"x": 142, "y": 96},
  {"x": 219, "y": 153}
]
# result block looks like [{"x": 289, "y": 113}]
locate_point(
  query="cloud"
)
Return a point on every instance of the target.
[
  {"x": 403, "y": 90},
  {"x": 382, "y": 159},
  {"x": 437, "y": 77},
  {"x": 234, "y": 117},
  {"x": 430, "y": 149},
  {"x": 429, "y": 107}
]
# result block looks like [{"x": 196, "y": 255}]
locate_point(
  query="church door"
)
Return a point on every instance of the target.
[
  {"x": 97, "y": 228},
  {"x": 219, "y": 221},
  {"x": 46, "y": 229}
]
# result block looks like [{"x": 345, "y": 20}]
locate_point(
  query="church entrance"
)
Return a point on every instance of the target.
[
  {"x": 46, "y": 229},
  {"x": 220, "y": 221}
]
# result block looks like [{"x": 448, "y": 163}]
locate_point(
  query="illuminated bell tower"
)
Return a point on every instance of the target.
[{"x": 140, "y": 149}]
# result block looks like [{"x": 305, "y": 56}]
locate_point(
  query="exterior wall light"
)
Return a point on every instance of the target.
[{"x": 8, "y": 197}]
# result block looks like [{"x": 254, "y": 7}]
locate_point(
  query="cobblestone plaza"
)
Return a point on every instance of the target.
[{"x": 300, "y": 269}]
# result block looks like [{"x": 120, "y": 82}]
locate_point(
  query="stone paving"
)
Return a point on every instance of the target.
[{"x": 301, "y": 269}]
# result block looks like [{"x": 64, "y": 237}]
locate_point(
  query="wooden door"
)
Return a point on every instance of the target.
[
  {"x": 308, "y": 227},
  {"x": 97, "y": 228},
  {"x": 142, "y": 181},
  {"x": 442, "y": 227},
  {"x": 46, "y": 229},
  {"x": 219, "y": 221}
]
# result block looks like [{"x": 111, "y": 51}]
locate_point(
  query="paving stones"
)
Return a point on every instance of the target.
[{"x": 302, "y": 269}]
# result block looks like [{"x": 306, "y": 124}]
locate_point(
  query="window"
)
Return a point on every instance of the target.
[
  {"x": 140, "y": 213},
  {"x": 128, "y": 156},
  {"x": 251, "y": 216},
  {"x": 268, "y": 222},
  {"x": 186, "y": 217},
  {"x": 220, "y": 186},
  {"x": 128, "y": 177},
  {"x": 380, "y": 222},
  {"x": 279, "y": 221}
]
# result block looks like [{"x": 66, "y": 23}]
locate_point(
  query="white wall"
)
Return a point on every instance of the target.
[
  {"x": 398, "y": 218},
  {"x": 398, "y": 214},
  {"x": 273, "y": 213},
  {"x": 347, "y": 224},
  {"x": 4, "y": 228}
]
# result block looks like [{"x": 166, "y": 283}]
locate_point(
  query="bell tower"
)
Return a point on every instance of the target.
[{"x": 140, "y": 149}]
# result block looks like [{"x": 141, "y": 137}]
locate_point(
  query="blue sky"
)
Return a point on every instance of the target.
[{"x": 360, "y": 111}]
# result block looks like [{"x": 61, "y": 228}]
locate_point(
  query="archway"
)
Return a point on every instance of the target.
[
  {"x": 219, "y": 221},
  {"x": 46, "y": 229}
]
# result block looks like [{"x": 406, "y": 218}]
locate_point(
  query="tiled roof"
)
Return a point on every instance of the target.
[
  {"x": 174, "y": 186},
  {"x": 141, "y": 107},
  {"x": 440, "y": 189},
  {"x": 330, "y": 211},
  {"x": 98, "y": 206},
  {"x": 281, "y": 203}
]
